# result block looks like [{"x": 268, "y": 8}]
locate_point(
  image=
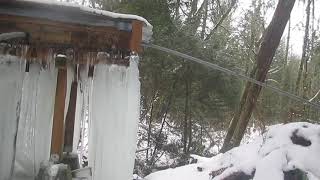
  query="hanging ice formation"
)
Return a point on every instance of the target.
[
  {"x": 107, "y": 114},
  {"x": 27, "y": 100},
  {"x": 83, "y": 108},
  {"x": 35, "y": 122},
  {"x": 110, "y": 104},
  {"x": 11, "y": 78}
]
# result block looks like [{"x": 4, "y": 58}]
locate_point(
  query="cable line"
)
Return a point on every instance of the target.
[{"x": 235, "y": 74}]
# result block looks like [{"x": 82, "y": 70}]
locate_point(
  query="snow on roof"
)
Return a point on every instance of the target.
[
  {"x": 92, "y": 10},
  {"x": 282, "y": 149}
]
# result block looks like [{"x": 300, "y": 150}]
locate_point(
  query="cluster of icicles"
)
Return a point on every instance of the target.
[{"x": 107, "y": 112}]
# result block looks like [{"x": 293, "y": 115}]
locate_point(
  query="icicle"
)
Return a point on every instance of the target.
[
  {"x": 115, "y": 113},
  {"x": 25, "y": 151},
  {"x": 44, "y": 114},
  {"x": 133, "y": 114},
  {"x": 77, "y": 123},
  {"x": 83, "y": 106},
  {"x": 10, "y": 87},
  {"x": 36, "y": 113}
]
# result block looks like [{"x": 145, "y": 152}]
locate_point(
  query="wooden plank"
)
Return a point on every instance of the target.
[
  {"x": 49, "y": 36},
  {"x": 70, "y": 118},
  {"x": 58, "y": 116},
  {"x": 67, "y": 26},
  {"x": 136, "y": 36},
  {"x": 50, "y": 33},
  {"x": 64, "y": 14},
  {"x": 91, "y": 71}
]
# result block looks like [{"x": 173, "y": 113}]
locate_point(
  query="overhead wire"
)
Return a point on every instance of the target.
[{"x": 233, "y": 73}]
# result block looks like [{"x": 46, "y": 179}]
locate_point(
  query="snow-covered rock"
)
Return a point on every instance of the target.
[{"x": 283, "y": 148}]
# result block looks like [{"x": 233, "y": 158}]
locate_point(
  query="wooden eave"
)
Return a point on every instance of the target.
[{"x": 62, "y": 27}]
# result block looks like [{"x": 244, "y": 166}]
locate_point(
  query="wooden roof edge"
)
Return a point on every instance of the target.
[
  {"x": 90, "y": 10},
  {"x": 76, "y": 14}
]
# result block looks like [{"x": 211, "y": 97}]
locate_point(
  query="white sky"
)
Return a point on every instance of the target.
[{"x": 297, "y": 22}]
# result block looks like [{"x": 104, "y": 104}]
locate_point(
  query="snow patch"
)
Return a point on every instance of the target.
[{"x": 267, "y": 157}]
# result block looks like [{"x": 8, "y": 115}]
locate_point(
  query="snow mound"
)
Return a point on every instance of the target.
[{"x": 282, "y": 152}]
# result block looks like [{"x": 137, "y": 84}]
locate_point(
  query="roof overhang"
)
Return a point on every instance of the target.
[{"x": 51, "y": 24}]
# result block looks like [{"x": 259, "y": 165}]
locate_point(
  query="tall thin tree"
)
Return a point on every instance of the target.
[{"x": 269, "y": 44}]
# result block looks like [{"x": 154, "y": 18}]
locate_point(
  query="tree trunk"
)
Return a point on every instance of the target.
[
  {"x": 93, "y": 3},
  {"x": 269, "y": 44},
  {"x": 304, "y": 57},
  {"x": 149, "y": 128},
  {"x": 306, "y": 82},
  {"x": 194, "y": 6},
  {"x": 204, "y": 19},
  {"x": 233, "y": 124},
  {"x": 185, "y": 121},
  {"x": 284, "y": 75},
  {"x": 201, "y": 132},
  {"x": 189, "y": 115},
  {"x": 163, "y": 117},
  {"x": 177, "y": 8},
  {"x": 288, "y": 43}
]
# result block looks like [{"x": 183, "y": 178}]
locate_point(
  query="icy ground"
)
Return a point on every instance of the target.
[{"x": 282, "y": 149}]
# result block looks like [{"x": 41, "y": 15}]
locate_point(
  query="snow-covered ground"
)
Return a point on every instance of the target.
[{"x": 282, "y": 148}]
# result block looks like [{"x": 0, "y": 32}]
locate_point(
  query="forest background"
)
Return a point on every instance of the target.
[{"x": 187, "y": 108}]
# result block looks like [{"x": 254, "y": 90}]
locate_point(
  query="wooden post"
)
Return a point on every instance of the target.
[
  {"x": 91, "y": 71},
  {"x": 136, "y": 36},
  {"x": 71, "y": 114},
  {"x": 58, "y": 116}
]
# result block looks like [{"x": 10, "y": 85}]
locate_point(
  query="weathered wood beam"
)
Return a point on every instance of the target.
[
  {"x": 58, "y": 116},
  {"x": 136, "y": 36},
  {"x": 71, "y": 114},
  {"x": 44, "y": 35},
  {"x": 47, "y": 33},
  {"x": 91, "y": 71}
]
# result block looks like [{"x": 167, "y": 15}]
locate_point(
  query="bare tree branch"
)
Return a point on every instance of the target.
[{"x": 223, "y": 17}]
